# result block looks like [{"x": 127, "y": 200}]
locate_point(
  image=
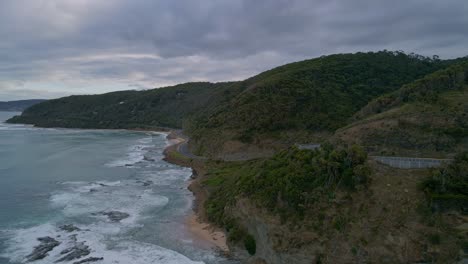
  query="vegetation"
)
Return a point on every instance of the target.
[
  {"x": 389, "y": 102},
  {"x": 307, "y": 97},
  {"x": 287, "y": 184},
  {"x": 250, "y": 244},
  {"x": 425, "y": 90},
  {"x": 157, "y": 108},
  {"x": 447, "y": 188},
  {"x": 314, "y": 96},
  {"x": 426, "y": 117}
]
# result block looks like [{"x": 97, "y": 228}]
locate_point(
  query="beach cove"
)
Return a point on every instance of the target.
[{"x": 109, "y": 198}]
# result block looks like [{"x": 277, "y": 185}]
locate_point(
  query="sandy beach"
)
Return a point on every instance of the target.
[
  {"x": 207, "y": 233},
  {"x": 199, "y": 228}
]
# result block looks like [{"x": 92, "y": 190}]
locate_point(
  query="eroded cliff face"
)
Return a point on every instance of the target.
[
  {"x": 380, "y": 225},
  {"x": 273, "y": 242}
]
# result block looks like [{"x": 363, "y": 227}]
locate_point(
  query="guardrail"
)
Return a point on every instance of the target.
[
  {"x": 308, "y": 146},
  {"x": 410, "y": 163}
]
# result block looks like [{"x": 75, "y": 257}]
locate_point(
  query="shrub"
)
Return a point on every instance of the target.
[
  {"x": 434, "y": 239},
  {"x": 447, "y": 187},
  {"x": 250, "y": 244}
]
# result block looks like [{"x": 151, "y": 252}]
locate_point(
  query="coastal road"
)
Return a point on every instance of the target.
[
  {"x": 183, "y": 149},
  {"x": 395, "y": 162}
]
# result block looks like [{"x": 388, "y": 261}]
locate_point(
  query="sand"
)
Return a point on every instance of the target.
[
  {"x": 201, "y": 230},
  {"x": 207, "y": 233}
]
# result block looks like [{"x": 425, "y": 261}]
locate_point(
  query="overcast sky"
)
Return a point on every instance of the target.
[{"x": 52, "y": 48}]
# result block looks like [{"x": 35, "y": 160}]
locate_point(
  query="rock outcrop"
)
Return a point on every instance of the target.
[
  {"x": 116, "y": 216},
  {"x": 77, "y": 251},
  {"x": 41, "y": 251}
]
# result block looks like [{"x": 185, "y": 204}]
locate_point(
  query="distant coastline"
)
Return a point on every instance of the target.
[{"x": 19, "y": 105}]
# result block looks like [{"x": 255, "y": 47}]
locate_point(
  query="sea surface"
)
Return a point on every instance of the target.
[{"x": 55, "y": 177}]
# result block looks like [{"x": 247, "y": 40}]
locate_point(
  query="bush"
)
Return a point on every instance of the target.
[
  {"x": 434, "y": 239},
  {"x": 288, "y": 183},
  {"x": 447, "y": 188},
  {"x": 293, "y": 179},
  {"x": 250, "y": 244}
]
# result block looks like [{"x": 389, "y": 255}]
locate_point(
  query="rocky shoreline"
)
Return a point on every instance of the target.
[
  {"x": 75, "y": 249},
  {"x": 68, "y": 248}
]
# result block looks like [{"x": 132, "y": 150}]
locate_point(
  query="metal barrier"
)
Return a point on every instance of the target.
[{"x": 410, "y": 163}]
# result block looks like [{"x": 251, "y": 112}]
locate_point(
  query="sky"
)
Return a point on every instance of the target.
[{"x": 54, "y": 48}]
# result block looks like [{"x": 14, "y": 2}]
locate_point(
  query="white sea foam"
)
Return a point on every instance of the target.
[
  {"x": 86, "y": 199},
  {"x": 82, "y": 204},
  {"x": 95, "y": 198},
  {"x": 122, "y": 250},
  {"x": 135, "y": 154},
  {"x": 167, "y": 176},
  {"x": 14, "y": 127}
]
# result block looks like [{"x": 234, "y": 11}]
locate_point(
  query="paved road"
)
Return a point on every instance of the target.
[{"x": 183, "y": 149}]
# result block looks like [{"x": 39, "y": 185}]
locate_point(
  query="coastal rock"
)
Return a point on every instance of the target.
[
  {"x": 77, "y": 251},
  {"x": 88, "y": 260},
  {"x": 148, "y": 158},
  {"x": 146, "y": 183},
  {"x": 69, "y": 228},
  {"x": 41, "y": 251},
  {"x": 116, "y": 216}
]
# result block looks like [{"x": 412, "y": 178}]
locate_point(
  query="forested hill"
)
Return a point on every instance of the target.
[
  {"x": 428, "y": 117},
  {"x": 18, "y": 106},
  {"x": 164, "y": 107},
  {"x": 296, "y": 100}
]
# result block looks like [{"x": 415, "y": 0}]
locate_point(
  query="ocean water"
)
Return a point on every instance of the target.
[{"x": 55, "y": 177}]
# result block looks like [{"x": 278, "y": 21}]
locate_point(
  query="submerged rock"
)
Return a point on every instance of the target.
[
  {"x": 116, "y": 216},
  {"x": 77, "y": 251},
  {"x": 69, "y": 228},
  {"x": 147, "y": 183},
  {"x": 41, "y": 251},
  {"x": 88, "y": 260},
  {"x": 148, "y": 158}
]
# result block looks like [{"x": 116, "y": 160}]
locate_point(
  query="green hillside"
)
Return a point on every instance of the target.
[
  {"x": 299, "y": 101},
  {"x": 164, "y": 107},
  {"x": 427, "y": 117}
]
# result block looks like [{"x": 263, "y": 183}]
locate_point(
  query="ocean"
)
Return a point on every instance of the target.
[{"x": 100, "y": 194}]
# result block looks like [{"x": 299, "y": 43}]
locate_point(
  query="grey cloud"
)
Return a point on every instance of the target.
[{"x": 66, "y": 41}]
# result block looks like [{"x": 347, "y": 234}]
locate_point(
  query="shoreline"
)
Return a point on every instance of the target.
[{"x": 196, "y": 221}]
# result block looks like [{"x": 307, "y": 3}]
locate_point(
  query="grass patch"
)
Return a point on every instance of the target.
[{"x": 214, "y": 181}]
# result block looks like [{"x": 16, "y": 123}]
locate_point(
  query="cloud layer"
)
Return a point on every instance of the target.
[{"x": 51, "y": 48}]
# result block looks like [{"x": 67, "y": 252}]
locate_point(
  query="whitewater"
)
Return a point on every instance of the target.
[{"x": 95, "y": 196}]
